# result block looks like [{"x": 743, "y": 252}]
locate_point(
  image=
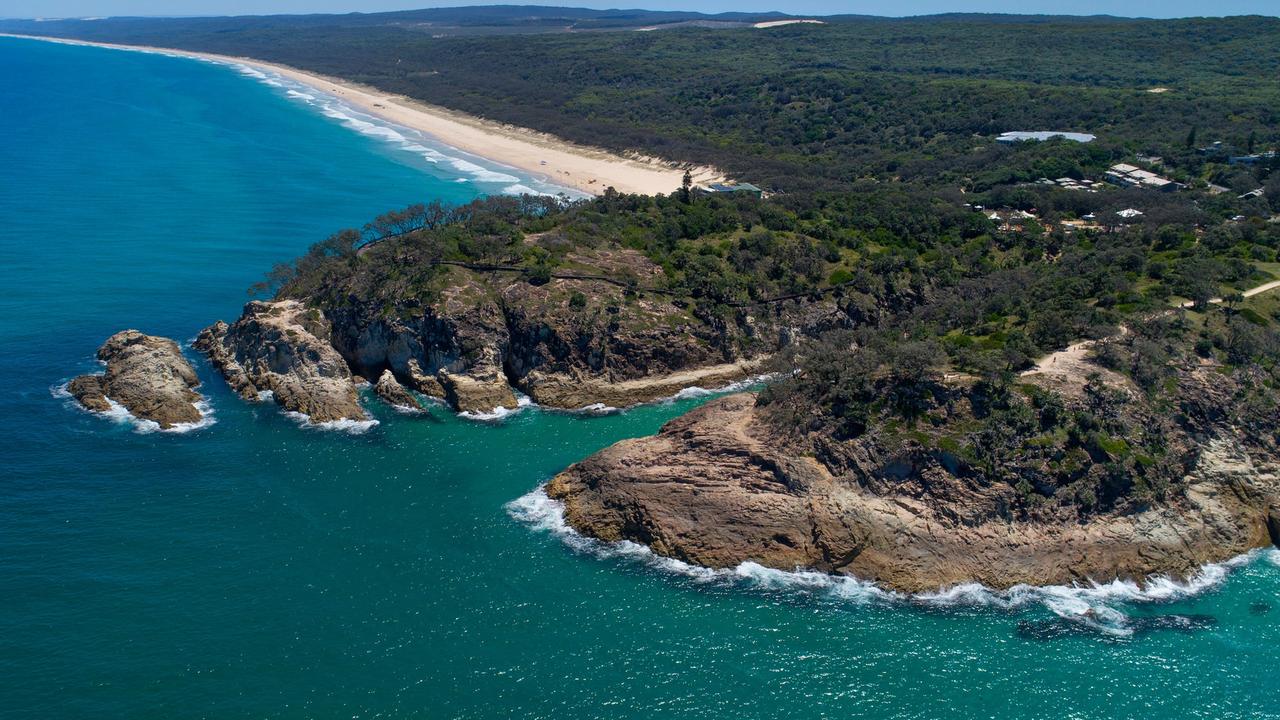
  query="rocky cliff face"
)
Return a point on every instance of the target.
[
  {"x": 486, "y": 337},
  {"x": 477, "y": 338},
  {"x": 720, "y": 486},
  {"x": 284, "y": 347},
  {"x": 145, "y": 374}
]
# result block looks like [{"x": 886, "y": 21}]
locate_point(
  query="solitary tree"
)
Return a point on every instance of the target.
[
  {"x": 1232, "y": 302},
  {"x": 1191, "y": 138},
  {"x": 686, "y": 186}
]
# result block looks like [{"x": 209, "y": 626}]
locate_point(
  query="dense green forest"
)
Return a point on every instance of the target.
[{"x": 806, "y": 107}]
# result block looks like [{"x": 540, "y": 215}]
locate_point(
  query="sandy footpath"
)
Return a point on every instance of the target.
[{"x": 545, "y": 156}]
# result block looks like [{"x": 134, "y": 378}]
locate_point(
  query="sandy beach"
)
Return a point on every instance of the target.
[{"x": 544, "y": 156}]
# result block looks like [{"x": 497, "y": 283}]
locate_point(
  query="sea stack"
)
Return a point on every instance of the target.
[{"x": 145, "y": 374}]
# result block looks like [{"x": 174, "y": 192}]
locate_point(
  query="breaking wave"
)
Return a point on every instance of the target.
[
  {"x": 1097, "y": 607},
  {"x": 699, "y": 392},
  {"x": 353, "y": 427},
  {"x": 499, "y": 413}
]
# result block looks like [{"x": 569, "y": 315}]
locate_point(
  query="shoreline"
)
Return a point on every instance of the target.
[{"x": 545, "y": 157}]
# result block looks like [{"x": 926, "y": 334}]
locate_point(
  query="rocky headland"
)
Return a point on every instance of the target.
[
  {"x": 282, "y": 349},
  {"x": 474, "y": 338},
  {"x": 728, "y": 483},
  {"x": 145, "y": 374}
]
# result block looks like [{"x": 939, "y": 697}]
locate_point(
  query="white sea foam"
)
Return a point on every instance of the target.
[
  {"x": 698, "y": 392},
  {"x": 121, "y": 415},
  {"x": 352, "y": 427},
  {"x": 252, "y": 72},
  {"x": 481, "y": 174},
  {"x": 519, "y": 189},
  {"x": 1098, "y": 606},
  {"x": 499, "y": 413},
  {"x": 597, "y": 409}
]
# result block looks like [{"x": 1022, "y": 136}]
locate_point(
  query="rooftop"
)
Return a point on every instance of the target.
[{"x": 733, "y": 187}]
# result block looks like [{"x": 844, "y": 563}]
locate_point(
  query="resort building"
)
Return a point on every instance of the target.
[{"x": 1126, "y": 175}]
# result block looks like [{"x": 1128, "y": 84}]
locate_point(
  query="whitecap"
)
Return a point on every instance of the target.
[{"x": 1098, "y": 606}]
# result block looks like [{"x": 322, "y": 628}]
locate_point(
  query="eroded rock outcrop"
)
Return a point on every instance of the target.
[
  {"x": 284, "y": 347},
  {"x": 719, "y": 486},
  {"x": 147, "y": 375},
  {"x": 395, "y": 394},
  {"x": 566, "y": 343}
]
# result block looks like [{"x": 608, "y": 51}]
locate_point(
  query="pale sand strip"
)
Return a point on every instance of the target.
[{"x": 544, "y": 156}]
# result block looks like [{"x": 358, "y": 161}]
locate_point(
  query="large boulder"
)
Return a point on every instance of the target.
[
  {"x": 147, "y": 375},
  {"x": 284, "y": 347},
  {"x": 395, "y": 394}
]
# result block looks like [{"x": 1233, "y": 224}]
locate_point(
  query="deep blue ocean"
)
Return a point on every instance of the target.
[{"x": 255, "y": 568}]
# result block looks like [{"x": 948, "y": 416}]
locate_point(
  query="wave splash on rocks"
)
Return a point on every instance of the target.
[
  {"x": 119, "y": 414},
  {"x": 1097, "y": 608}
]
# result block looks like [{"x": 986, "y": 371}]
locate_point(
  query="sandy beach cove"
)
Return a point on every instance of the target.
[{"x": 550, "y": 158}]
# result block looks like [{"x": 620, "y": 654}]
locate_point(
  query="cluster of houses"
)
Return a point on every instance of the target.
[
  {"x": 1009, "y": 220},
  {"x": 1126, "y": 175},
  {"x": 1221, "y": 150},
  {"x": 1252, "y": 158}
]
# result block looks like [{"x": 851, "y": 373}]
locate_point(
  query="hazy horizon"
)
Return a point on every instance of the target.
[{"x": 1123, "y": 8}]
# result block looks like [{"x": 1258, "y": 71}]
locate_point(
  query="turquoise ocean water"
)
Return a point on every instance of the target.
[{"x": 255, "y": 568}]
